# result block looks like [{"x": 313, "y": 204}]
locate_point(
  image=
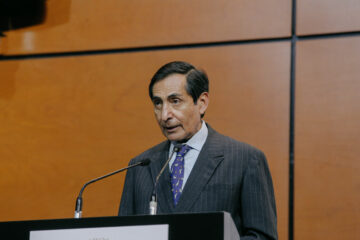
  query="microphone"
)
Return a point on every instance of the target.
[
  {"x": 153, "y": 201},
  {"x": 78, "y": 205}
]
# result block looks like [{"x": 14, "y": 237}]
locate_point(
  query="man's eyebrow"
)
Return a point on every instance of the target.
[
  {"x": 155, "y": 98},
  {"x": 174, "y": 95}
]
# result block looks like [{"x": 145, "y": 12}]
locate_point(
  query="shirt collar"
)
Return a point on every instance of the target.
[{"x": 198, "y": 140}]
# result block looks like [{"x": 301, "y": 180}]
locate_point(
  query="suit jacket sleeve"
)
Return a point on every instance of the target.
[
  {"x": 127, "y": 198},
  {"x": 258, "y": 208}
]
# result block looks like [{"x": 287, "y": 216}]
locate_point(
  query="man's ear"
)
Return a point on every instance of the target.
[{"x": 203, "y": 102}]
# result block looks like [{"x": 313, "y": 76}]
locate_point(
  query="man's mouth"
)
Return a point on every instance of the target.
[{"x": 171, "y": 128}]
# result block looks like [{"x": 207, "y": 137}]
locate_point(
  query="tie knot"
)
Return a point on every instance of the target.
[{"x": 183, "y": 150}]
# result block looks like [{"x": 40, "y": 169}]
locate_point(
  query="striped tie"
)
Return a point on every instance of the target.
[{"x": 177, "y": 173}]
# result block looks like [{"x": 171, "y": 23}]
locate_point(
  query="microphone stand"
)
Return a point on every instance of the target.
[
  {"x": 78, "y": 204},
  {"x": 153, "y": 201}
]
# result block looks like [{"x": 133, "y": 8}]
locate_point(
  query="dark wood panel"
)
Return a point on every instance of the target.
[
  {"x": 67, "y": 120},
  {"x": 327, "y": 139},
  {"x": 327, "y": 16},
  {"x": 78, "y": 25}
]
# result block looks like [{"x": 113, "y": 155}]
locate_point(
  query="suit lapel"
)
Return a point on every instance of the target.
[
  {"x": 163, "y": 189},
  {"x": 209, "y": 158},
  {"x": 165, "y": 197}
]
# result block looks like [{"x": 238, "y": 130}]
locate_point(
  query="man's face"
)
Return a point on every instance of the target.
[{"x": 178, "y": 116}]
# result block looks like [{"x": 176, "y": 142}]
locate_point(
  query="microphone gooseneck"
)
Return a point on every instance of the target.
[
  {"x": 78, "y": 205},
  {"x": 153, "y": 200}
]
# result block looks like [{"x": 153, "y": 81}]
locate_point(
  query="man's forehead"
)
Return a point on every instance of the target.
[{"x": 171, "y": 85}]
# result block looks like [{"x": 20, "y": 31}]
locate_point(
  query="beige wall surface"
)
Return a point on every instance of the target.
[
  {"x": 327, "y": 16},
  {"x": 67, "y": 120},
  {"x": 327, "y": 142},
  {"x": 74, "y": 104},
  {"x": 81, "y": 25}
]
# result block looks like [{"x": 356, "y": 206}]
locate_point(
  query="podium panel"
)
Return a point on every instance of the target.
[
  {"x": 138, "y": 232},
  {"x": 210, "y": 226}
]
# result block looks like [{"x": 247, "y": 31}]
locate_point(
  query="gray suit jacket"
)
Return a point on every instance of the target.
[{"x": 228, "y": 176}]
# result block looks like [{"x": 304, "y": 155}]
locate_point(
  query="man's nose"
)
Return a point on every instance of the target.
[{"x": 166, "y": 112}]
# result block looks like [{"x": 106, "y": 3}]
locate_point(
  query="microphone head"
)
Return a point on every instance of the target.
[
  {"x": 145, "y": 162},
  {"x": 177, "y": 147}
]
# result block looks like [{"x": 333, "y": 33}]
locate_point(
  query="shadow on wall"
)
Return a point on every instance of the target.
[{"x": 16, "y": 14}]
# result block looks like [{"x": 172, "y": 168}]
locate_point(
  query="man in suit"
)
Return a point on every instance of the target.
[{"x": 211, "y": 172}]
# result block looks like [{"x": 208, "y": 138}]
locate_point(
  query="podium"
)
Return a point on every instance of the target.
[{"x": 210, "y": 226}]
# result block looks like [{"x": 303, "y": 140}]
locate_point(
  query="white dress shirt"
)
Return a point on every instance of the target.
[{"x": 196, "y": 143}]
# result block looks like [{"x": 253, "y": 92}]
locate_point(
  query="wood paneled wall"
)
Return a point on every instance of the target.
[
  {"x": 81, "y": 25},
  {"x": 327, "y": 139},
  {"x": 74, "y": 104},
  {"x": 79, "y": 117},
  {"x": 327, "y": 16},
  {"x": 327, "y": 121}
]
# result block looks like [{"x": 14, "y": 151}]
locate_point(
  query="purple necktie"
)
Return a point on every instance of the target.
[{"x": 177, "y": 173}]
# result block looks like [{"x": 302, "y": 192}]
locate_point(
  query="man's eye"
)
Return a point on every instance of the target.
[
  {"x": 157, "y": 103},
  {"x": 175, "y": 100}
]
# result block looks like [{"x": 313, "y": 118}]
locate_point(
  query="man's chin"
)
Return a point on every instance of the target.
[{"x": 175, "y": 137}]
